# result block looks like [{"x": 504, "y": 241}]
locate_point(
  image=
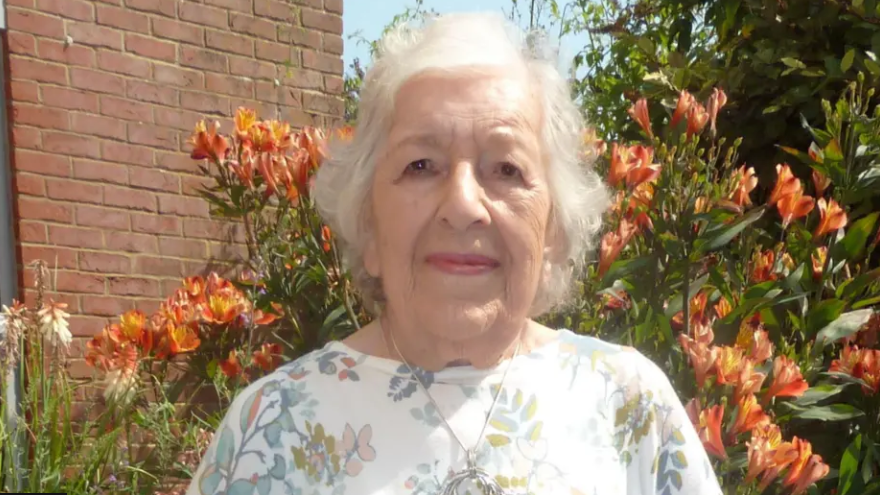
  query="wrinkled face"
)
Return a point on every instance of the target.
[{"x": 460, "y": 202}]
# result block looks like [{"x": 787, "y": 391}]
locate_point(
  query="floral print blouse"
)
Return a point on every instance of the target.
[{"x": 576, "y": 416}]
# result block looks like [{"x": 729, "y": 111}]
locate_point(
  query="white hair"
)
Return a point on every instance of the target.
[{"x": 447, "y": 42}]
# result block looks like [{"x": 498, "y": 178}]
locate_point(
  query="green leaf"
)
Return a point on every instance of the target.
[
  {"x": 847, "y": 60},
  {"x": 832, "y": 412},
  {"x": 726, "y": 235},
  {"x": 676, "y": 304},
  {"x": 853, "y": 243},
  {"x": 241, "y": 487},
  {"x": 793, "y": 63},
  {"x": 844, "y": 326},
  {"x": 225, "y": 449},
  {"x": 210, "y": 480},
  {"x": 872, "y": 66},
  {"x": 853, "y": 287},
  {"x": 249, "y": 410},
  {"x": 868, "y": 464},
  {"x": 621, "y": 268},
  {"x": 272, "y": 433},
  {"x": 866, "y": 302},
  {"x": 279, "y": 469},
  {"x": 823, "y": 314},
  {"x": 819, "y": 393},
  {"x": 849, "y": 466}
]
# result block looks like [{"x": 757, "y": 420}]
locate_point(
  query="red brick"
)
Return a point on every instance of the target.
[
  {"x": 176, "y": 76},
  {"x": 104, "y": 306},
  {"x": 123, "y": 64},
  {"x": 177, "y": 119},
  {"x": 79, "y": 282},
  {"x": 36, "y": 70},
  {"x": 322, "y": 62},
  {"x": 69, "y": 99},
  {"x": 151, "y": 135},
  {"x": 212, "y": 229},
  {"x": 40, "y": 209},
  {"x": 298, "y": 36},
  {"x": 148, "y": 307},
  {"x": 252, "y": 26},
  {"x": 239, "y": 5},
  {"x": 226, "y": 42},
  {"x": 104, "y": 263},
  {"x": 92, "y": 35},
  {"x": 155, "y": 224},
  {"x": 178, "y": 31},
  {"x": 31, "y": 185},
  {"x": 57, "y": 51},
  {"x": 62, "y": 258},
  {"x": 297, "y": 118},
  {"x": 203, "y": 59},
  {"x": 183, "y": 206},
  {"x": 41, "y": 163},
  {"x": 180, "y": 162},
  {"x": 28, "y": 4},
  {"x": 31, "y": 231},
  {"x": 315, "y": 4},
  {"x": 276, "y": 52},
  {"x": 35, "y": 23},
  {"x": 323, "y": 104},
  {"x": 154, "y": 179},
  {"x": 153, "y": 93},
  {"x": 141, "y": 287},
  {"x": 168, "y": 267},
  {"x": 99, "y": 126},
  {"x": 263, "y": 109},
  {"x": 149, "y": 47},
  {"x": 334, "y": 85},
  {"x": 163, "y": 7},
  {"x": 333, "y": 6},
  {"x": 126, "y": 153},
  {"x": 100, "y": 171},
  {"x": 105, "y": 218},
  {"x": 27, "y": 137},
  {"x": 100, "y": 82},
  {"x": 124, "y": 197},
  {"x": 127, "y": 20},
  {"x": 227, "y": 251},
  {"x": 72, "y": 9},
  {"x": 329, "y": 23},
  {"x": 191, "y": 185},
  {"x": 201, "y": 14},
  {"x": 205, "y": 102},
  {"x": 241, "y": 66},
  {"x": 67, "y": 190},
  {"x": 22, "y": 43},
  {"x": 230, "y": 85},
  {"x": 132, "y": 243},
  {"x": 274, "y": 9},
  {"x": 46, "y": 118},
  {"x": 182, "y": 248},
  {"x": 125, "y": 109},
  {"x": 87, "y": 326},
  {"x": 333, "y": 43},
  {"x": 70, "y": 144},
  {"x": 291, "y": 97}
]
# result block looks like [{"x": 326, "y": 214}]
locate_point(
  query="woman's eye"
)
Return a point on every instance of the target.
[
  {"x": 509, "y": 170},
  {"x": 419, "y": 167}
]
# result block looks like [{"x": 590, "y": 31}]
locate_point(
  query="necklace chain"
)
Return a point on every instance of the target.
[{"x": 471, "y": 453}]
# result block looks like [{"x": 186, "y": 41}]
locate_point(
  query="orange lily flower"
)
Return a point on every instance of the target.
[
  {"x": 132, "y": 325},
  {"x": 849, "y": 360},
  {"x": 222, "y": 307},
  {"x": 326, "y": 236},
  {"x": 762, "y": 449},
  {"x": 642, "y": 170},
  {"x": 753, "y": 339},
  {"x": 749, "y": 415},
  {"x": 682, "y": 108},
  {"x": 746, "y": 182},
  {"x": 831, "y": 218},
  {"x": 207, "y": 144},
  {"x": 620, "y": 164},
  {"x": 749, "y": 382},
  {"x": 729, "y": 364},
  {"x": 818, "y": 258},
  {"x": 710, "y": 431},
  {"x": 867, "y": 369},
  {"x": 787, "y": 380},
  {"x": 195, "y": 288},
  {"x": 723, "y": 308},
  {"x": 182, "y": 338},
  {"x": 280, "y": 134},
  {"x": 702, "y": 357},
  {"x": 245, "y": 118},
  {"x": 231, "y": 367},
  {"x": 260, "y": 138},
  {"x": 762, "y": 266},
  {"x": 786, "y": 184},
  {"x": 697, "y": 119},
  {"x": 806, "y": 469},
  {"x": 697, "y": 310},
  {"x": 821, "y": 182},
  {"x": 266, "y": 165},
  {"x": 639, "y": 113},
  {"x": 612, "y": 243},
  {"x": 715, "y": 104},
  {"x": 794, "y": 206},
  {"x": 268, "y": 357},
  {"x": 312, "y": 141}
]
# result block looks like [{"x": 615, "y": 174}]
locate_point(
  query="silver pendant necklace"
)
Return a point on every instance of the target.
[{"x": 471, "y": 473}]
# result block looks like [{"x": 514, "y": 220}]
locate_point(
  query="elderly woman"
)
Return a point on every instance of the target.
[{"x": 465, "y": 211}]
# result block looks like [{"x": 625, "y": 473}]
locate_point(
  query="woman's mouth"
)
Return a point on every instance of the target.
[{"x": 462, "y": 263}]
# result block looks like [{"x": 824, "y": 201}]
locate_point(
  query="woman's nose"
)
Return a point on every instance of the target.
[{"x": 463, "y": 202}]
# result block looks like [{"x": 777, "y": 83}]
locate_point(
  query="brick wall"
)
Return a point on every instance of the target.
[{"x": 104, "y": 94}]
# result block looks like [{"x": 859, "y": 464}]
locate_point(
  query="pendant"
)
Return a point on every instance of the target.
[{"x": 472, "y": 475}]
